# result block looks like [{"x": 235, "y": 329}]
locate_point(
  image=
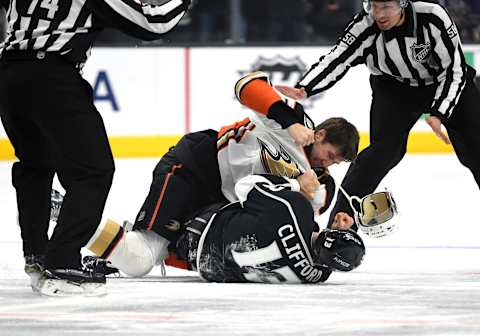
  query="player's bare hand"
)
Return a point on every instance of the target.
[
  {"x": 302, "y": 135},
  {"x": 308, "y": 184},
  {"x": 342, "y": 221},
  {"x": 291, "y": 92},
  {"x": 436, "y": 125}
]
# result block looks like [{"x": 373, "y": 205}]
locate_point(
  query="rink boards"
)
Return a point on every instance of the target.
[{"x": 149, "y": 97}]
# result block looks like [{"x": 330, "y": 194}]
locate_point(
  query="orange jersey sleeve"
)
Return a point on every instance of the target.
[{"x": 256, "y": 93}]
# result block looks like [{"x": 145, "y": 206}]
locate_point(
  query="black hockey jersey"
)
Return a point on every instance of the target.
[{"x": 265, "y": 237}]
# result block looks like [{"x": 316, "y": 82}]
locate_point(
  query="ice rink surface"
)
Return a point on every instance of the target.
[{"x": 422, "y": 280}]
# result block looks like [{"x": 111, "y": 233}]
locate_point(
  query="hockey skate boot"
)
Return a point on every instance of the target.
[
  {"x": 71, "y": 282},
  {"x": 99, "y": 265},
  {"x": 34, "y": 265}
]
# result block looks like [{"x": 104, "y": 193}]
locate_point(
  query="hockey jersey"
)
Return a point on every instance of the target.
[
  {"x": 265, "y": 237},
  {"x": 261, "y": 144}
]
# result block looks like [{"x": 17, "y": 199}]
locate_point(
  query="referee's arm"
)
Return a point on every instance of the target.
[
  {"x": 447, "y": 49},
  {"x": 140, "y": 19},
  {"x": 349, "y": 51}
]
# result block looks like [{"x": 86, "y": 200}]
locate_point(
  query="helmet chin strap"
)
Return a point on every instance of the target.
[
  {"x": 350, "y": 199},
  {"x": 401, "y": 20}
]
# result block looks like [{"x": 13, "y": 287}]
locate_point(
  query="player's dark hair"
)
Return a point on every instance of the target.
[{"x": 341, "y": 134}]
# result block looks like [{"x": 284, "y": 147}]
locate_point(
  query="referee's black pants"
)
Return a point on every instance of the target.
[
  {"x": 395, "y": 109},
  {"x": 48, "y": 113}
]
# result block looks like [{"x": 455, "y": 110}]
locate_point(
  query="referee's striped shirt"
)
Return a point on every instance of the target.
[
  {"x": 425, "y": 50},
  {"x": 69, "y": 27}
]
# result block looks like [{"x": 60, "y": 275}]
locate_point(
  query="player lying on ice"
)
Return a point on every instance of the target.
[{"x": 269, "y": 235}]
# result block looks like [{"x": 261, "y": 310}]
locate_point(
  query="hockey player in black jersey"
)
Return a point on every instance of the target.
[{"x": 269, "y": 235}]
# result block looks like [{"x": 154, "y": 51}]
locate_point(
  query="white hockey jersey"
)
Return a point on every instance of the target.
[{"x": 259, "y": 145}]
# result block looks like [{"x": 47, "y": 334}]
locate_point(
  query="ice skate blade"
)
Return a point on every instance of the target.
[{"x": 65, "y": 288}]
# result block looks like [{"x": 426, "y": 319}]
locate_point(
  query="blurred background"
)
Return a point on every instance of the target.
[
  {"x": 271, "y": 22},
  {"x": 305, "y": 22}
]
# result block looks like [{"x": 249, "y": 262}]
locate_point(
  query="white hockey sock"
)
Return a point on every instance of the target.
[
  {"x": 134, "y": 252},
  {"x": 138, "y": 252}
]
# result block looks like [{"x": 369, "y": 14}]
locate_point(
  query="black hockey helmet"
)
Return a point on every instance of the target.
[{"x": 339, "y": 250}]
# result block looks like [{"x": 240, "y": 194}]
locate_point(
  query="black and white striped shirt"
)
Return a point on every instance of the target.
[
  {"x": 69, "y": 27},
  {"x": 425, "y": 50}
]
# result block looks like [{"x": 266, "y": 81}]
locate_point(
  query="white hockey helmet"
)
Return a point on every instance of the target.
[{"x": 378, "y": 214}]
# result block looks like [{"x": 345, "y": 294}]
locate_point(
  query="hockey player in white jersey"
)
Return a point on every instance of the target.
[
  {"x": 267, "y": 142},
  {"x": 203, "y": 167}
]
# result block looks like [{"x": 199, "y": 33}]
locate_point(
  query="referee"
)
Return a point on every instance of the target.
[
  {"x": 48, "y": 113},
  {"x": 415, "y": 58}
]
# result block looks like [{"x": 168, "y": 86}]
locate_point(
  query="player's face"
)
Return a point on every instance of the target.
[
  {"x": 324, "y": 154},
  {"x": 387, "y": 14}
]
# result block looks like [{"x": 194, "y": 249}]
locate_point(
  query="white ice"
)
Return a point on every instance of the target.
[{"x": 423, "y": 280}]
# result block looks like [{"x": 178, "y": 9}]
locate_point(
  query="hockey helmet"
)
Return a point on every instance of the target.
[
  {"x": 367, "y": 4},
  {"x": 339, "y": 250},
  {"x": 378, "y": 214}
]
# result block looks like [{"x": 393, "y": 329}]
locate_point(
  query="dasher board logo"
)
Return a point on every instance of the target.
[
  {"x": 420, "y": 52},
  {"x": 282, "y": 71}
]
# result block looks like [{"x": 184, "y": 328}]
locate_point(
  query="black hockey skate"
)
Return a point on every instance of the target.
[
  {"x": 34, "y": 265},
  {"x": 99, "y": 265},
  {"x": 71, "y": 282}
]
